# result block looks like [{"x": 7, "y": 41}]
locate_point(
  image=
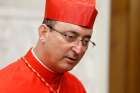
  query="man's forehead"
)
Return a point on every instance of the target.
[
  {"x": 69, "y": 26},
  {"x": 63, "y": 26}
]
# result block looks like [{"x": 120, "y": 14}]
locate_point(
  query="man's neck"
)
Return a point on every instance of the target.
[{"x": 37, "y": 58}]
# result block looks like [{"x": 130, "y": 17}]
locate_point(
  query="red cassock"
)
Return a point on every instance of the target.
[{"x": 20, "y": 77}]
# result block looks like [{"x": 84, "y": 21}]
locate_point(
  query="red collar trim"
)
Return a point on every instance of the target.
[{"x": 49, "y": 76}]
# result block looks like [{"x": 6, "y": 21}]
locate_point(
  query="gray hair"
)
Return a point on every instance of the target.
[{"x": 49, "y": 22}]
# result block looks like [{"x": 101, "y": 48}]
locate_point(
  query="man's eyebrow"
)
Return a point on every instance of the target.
[
  {"x": 76, "y": 33},
  {"x": 73, "y": 32},
  {"x": 87, "y": 36}
]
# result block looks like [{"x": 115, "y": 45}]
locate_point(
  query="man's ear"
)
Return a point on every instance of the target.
[{"x": 42, "y": 31}]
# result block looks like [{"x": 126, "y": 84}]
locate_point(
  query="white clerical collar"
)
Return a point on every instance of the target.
[{"x": 40, "y": 60}]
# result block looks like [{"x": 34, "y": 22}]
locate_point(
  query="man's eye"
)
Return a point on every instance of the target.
[
  {"x": 70, "y": 37},
  {"x": 85, "y": 42}
]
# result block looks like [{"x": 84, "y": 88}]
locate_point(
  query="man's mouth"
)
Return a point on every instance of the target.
[{"x": 72, "y": 59}]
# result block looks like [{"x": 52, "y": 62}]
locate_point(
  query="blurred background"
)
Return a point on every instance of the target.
[{"x": 111, "y": 67}]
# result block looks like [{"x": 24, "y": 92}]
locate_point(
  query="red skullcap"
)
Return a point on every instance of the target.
[{"x": 79, "y": 12}]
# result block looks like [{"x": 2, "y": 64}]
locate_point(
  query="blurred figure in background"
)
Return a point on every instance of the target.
[{"x": 64, "y": 37}]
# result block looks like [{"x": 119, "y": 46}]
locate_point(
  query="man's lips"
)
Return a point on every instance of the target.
[{"x": 74, "y": 59}]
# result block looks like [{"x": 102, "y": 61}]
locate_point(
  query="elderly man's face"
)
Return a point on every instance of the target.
[{"x": 64, "y": 46}]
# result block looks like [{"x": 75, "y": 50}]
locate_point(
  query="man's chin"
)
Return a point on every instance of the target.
[{"x": 65, "y": 69}]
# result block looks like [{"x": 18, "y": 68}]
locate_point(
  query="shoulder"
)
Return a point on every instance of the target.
[
  {"x": 11, "y": 68},
  {"x": 15, "y": 70},
  {"x": 72, "y": 77},
  {"x": 74, "y": 82}
]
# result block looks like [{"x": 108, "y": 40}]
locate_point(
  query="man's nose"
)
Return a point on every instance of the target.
[{"x": 78, "y": 48}]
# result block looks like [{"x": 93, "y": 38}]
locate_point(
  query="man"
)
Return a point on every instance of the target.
[{"x": 63, "y": 40}]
